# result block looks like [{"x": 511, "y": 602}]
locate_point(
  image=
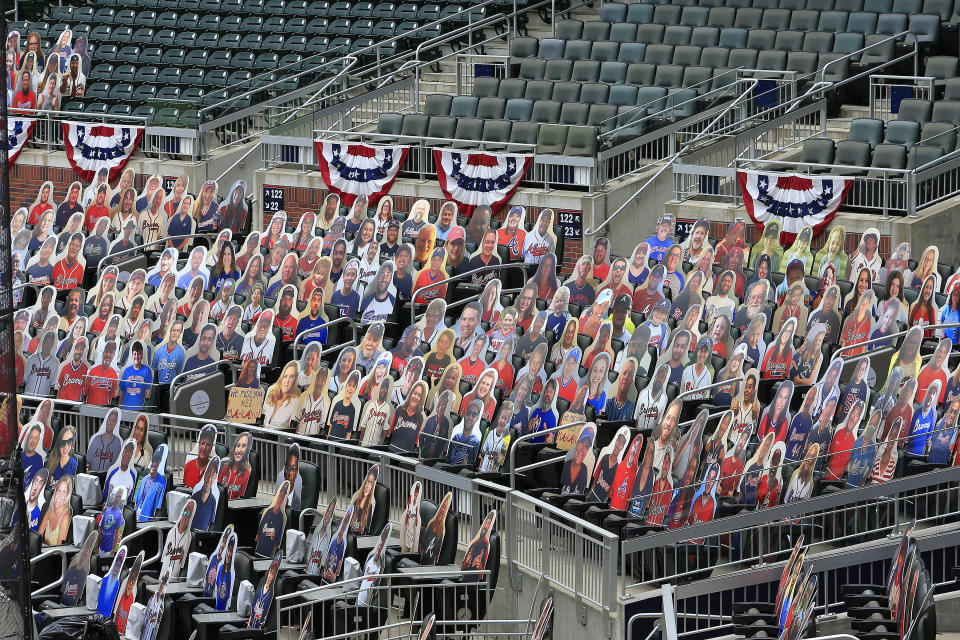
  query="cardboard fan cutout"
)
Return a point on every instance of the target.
[
  {"x": 291, "y": 474},
  {"x": 273, "y": 521},
  {"x": 336, "y": 550},
  {"x": 245, "y": 399},
  {"x": 496, "y": 442},
  {"x": 198, "y": 458},
  {"x": 864, "y": 452},
  {"x": 626, "y": 475},
  {"x": 127, "y": 595},
  {"x": 214, "y": 562},
  {"x": 579, "y": 463},
  {"x": 35, "y": 497},
  {"x": 478, "y": 551},
  {"x": 263, "y": 597},
  {"x": 372, "y": 568},
  {"x": 75, "y": 579},
  {"x": 314, "y": 404},
  {"x": 432, "y": 535},
  {"x": 205, "y": 495},
  {"x": 177, "y": 545},
  {"x": 607, "y": 466},
  {"x": 110, "y": 585},
  {"x": 151, "y": 489},
  {"x": 154, "y": 613},
  {"x": 123, "y": 473},
  {"x": 236, "y": 468},
  {"x": 652, "y": 399},
  {"x": 223, "y": 584},
  {"x": 345, "y": 409},
  {"x": 437, "y": 429},
  {"x": 57, "y": 518},
  {"x": 112, "y": 522},
  {"x": 62, "y": 460},
  {"x": 410, "y": 525},
  {"x": 320, "y": 541},
  {"x": 282, "y": 399}
]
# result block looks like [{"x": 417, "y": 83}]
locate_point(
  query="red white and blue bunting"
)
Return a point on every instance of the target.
[
  {"x": 18, "y": 132},
  {"x": 353, "y": 170},
  {"x": 90, "y": 147},
  {"x": 793, "y": 200},
  {"x": 475, "y": 179}
]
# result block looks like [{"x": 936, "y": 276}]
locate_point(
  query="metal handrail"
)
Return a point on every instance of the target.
[
  {"x": 892, "y": 336},
  {"x": 64, "y": 115},
  {"x": 530, "y": 436},
  {"x": 715, "y": 385},
  {"x": 706, "y": 130},
  {"x": 313, "y": 330},
  {"x": 176, "y": 379},
  {"x": 141, "y": 247},
  {"x": 145, "y": 531},
  {"x": 457, "y": 278},
  {"x": 56, "y": 551}
]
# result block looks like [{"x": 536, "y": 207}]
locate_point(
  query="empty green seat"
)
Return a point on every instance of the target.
[
  {"x": 443, "y": 127},
  {"x": 761, "y": 39},
  {"x": 602, "y": 116},
  {"x": 558, "y": 69},
  {"x": 144, "y": 93},
  {"x": 577, "y": 50},
  {"x": 569, "y": 29},
  {"x": 511, "y": 88},
  {"x": 697, "y": 78},
  {"x": 943, "y": 9},
  {"x": 496, "y": 134},
  {"x": 622, "y": 95},
  {"x": 694, "y": 16},
  {"x": 538, "y": 90},
  {"x": 624, "y": 32},
  {"x": 704, "y": 36},
  {"x": 524, "y": 133},
  {"x": 748, "y": 18},
  {"x": 847, "y": 43},
  {"x": 523, "y": 47},
  {"x": 864, "y": 22},
  {"x": 613, "y": 72},
  {"x": 594, "y": 31},
  {"x": 733, "y": 38},
  {"x": 604, "y": 51},
  {"x": 490, "y": 108},
  {"x": 835, "y": 67},
  {"x": 946, "y": 111},
  {"x": 518, "y": 109},
  {"x": 667, "y": 14},
  {"x": 463, "y": 107},
  {"x": 651, "y": 98},
  {"x": 889, "y": 156},
  {"x": 243, "y": 60},
  {"x": 593, "y": 93},
  {"x": 721, "y": 17},
  {"x": 775, "y": 19},
  {"x": 926, "y": 27},
  {"x": 891, "y": 23},
  {"x": 714, "y": 57},
  {"x": 869, "y": 130},
  {"x": 641, "y": 74},
  {"x": 817, "y": 151},
  {"x": 169, "y": 75},
  {"x": 552, "y": 138},
  {"x": 687, "y": 55},
  {"x": 545, "y": 111},
  {"x": 941, "y": 67},
  {"x": 676, "y": 35},
  {"x": 585, "y": 71},
  {"x": 915, "y": 109},
  {"x": 613, "y": 12},
  {"x": 581, "y": 142},
  {"x": 566, "y": 91},
  {"x": 532, "y": 69},
  {"x": 659, "y": 54},
  {"x": 122, "y": 92},
  {"x": 437, "y": 104},
  {"x": 468, "y": 133},
  {"x": 922, "y": 154},
  {"x": 631, "y": 52},
  {"x": 389, "y": 124},
  {"x": 273, "y": 42},
  {"x": 878, "y": 6},
  {"x": 832, "y": 21},
  {"x": 852, "y": 153},
  {"x": 640, "y": 13},
  {"x": 742, "y": 59},
  {"x": 650, "y": 33},
  {"x": 669, "y": 76},
  {"x": 939, "y": 134},
  {"x": 802, "y": 62}
]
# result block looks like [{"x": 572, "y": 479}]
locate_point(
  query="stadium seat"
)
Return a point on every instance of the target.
[
  {"x": 818, "y": 151},
  {"x": 469, "y": 130},
  {"x": 551, "y": 48},
  {"x": 532, "y": 69},
  {"x": 922, "y": 154},
  {"x": 490, "y": 108},
  {"x": 818, "y": 42},
  {"x": 613, "y": 12},
  {"x": 926, "y": 27},
  {"x": 581, "y": 141},
  {"x": 518, "y": 109},
  {"x": 714, "y": 56},
  {"x": 577, "y": 50},
  {"x": 939, "y": 134},
  {"x": 605, "y": 51},
  {"x": 552, "y": 138},
  {"x": 640, "y": 13},
  {"x": 775, "y": 19},
  {"x": 852, "y": 153},
  {"x": 694, "y": 16},
  {"x": 676, "y": 35},
  {"x": 941, "y": 67},
  {"x": 574, "y": 113},
  {"x": 513, "y": 88},
  {"x": 761, "y": 39},
  {"x": 594, "y": 31},
  {"x": 863, "y": 22},
  {"x": 442, "y": 127},
  {"x": 721, "y": 17},
  {"x": 891, "y": 23},
  {"x": 569, "y": 29},
  {"x": 613, "y": 72},
  {"x": 889, "y": 156},
  {"x": 566, "y": 91},
  {"x": 832, "y": 21},
  {"x": 667, "y": 14},
  {"x": 649, "y": 34},
  {"x": 688, "y": 55},
  {"x": 658, "y": 54},
  {"x": 847, "y": 43},
  {"x": 558, "y": 70},
  {"x": 539, "y": 90},
  {"x": 669, "y": 76},
  {"x": 438, "y": 104},
  {"x": 733, "y": 38},
  {"x": 525, "y": 133},
  {"x": 703, "y": 37},
  {"x": 641, "y": 74},
  {"x": 869, "y": 130},
  {"x": 545, "y": 111},
  {"x": 463, "y": 107},
  {"x": 749, "y": 18},
  {"x": 630, "y": 52}
]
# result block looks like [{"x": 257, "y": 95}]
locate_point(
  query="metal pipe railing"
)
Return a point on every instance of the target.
[
  {"x": 213, "y": 365},
  {"x": 457, "y": 278},
  {"x": 325, "y": 325},
  {"x": 143, "y": 247},
  {"x": 892, "y": 336}
]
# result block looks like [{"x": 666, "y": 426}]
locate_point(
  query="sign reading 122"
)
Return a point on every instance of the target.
[
  {"x": 571, "y": 222},
  {"x": 274, "y": 198}
]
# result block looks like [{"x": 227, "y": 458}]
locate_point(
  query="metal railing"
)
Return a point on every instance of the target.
[
  {"x": 462, "y": 276},
  {"x": 887, "y": 91},
  {"x": 111, "y": 260},
  {"x": 326, "y": 325}
]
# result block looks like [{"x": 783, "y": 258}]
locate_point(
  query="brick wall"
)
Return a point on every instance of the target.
[
  {"x": 719, "y": 229},
  {"x": 25, "y": 181},
  {"x": 298, "y": 200}
]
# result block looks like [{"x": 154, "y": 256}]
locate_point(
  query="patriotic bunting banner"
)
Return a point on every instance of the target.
[
  {"x": 18, "y": 132},
  {"x": 352, "y": 170},
  {"x": 90, "y": 147},
  {"x": 475, "y": 179},
  {"x": 794, "y": 200}
]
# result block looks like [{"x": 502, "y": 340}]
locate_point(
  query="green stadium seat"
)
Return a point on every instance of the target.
[
  {"x": 594, "y": 31},
  {"x": 558, "y": 70},
  {"x": 907, "y": 7},
  {"x": 833, "y": 21},
  {"x": 698, "y": 78},
  {"x": 120, "y": 110},
  {"x": 463, "y": 107},
  {"x": 789, "y": 41},
  {"x": 574, "y": 113},
  {"x": 144, "y": 93},
  {"x": 602, "y": 116},
  {"x": 490, "y": 108},
  {"x": 545, "y": 111},
  {"x": 585, "y": 71},
  {"x": 384, "y": 10},
  {"x": 641, "y": 73},
  {"x": 173, "y": 57},
  {"x": 669, "y": 76},
  {"x": 624, "y": 32},
  {"x": 124, "y": 16},
  {"x": 532, "y": 69},
  {"x": 581, "y": 141},
  {"x": 442, "y": 127},
  {"x": 675, "y": 35},
  {"x": 687, "y": 55},
  {"x": 184, "y": 39},
  {"x": 694, "y": 16},
  {"x": 733, "y": 38},
  {"x": 215, "y": 78},
  {"x": 922, "y": 154},
  {"x": 482, "y": 87},
  {"x": 101, "y": 33},
  {"x": 124, "y": 35},
  {"x": 640, "y": 13},
  {"x": 569, "y": 29},
  {"x": 878, "y": 6},
  {"x": 613, "y": 12},
  {"x": 513, "y": 88},
  {"x": 870, "y": 130},
  {"x": 567, "y": 91},
  {"x": 496, "y": 134},
  {"x": 742, "y": 58},
  {"x": 613, "y": 72},
  {"x": 650, "y": 34},
  {"x": 524, "y": 133},
  {"x": 704, "y": 37},
  {"x": 552, "y": 138},
  {"x": 197, "y": 58},
  {"x": 667, "y": 14},
  {"x": 518, "y": 109},
  {"x": 835, "y": 66},
  {"x": 721, "y": 17},
  {"x": 631, "y": 52},
  {"x": 192, "y": 77},
  {"x": 714, "y": 57},
  {"x": 295, "y": 44},
  {"x": 438, "y": 104},
  {"x": 108, "y": 52},
  {"x": 577, "y": 50},
  {"x": 847, "y": 43},
  {"x": 818, "y": 151},
  {"x": 775, "y": 19},
  {"x": 863, "y": 22},
  {"x": 659, "y": 54},
  {"x": 98, "y": 108},
  {"x": 168, "y": 93},
  {"x": 122, "y": 92},
  {"x": 468, "y": 132}
]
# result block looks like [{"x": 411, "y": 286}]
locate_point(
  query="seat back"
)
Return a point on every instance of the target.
[
  {"x": 869, "y": 130},
  {"x": 889, "y": 156},
  {"x": 818, "y": 151}
]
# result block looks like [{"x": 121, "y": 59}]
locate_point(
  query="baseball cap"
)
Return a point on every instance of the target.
[
  {"x": 455, "y": 234},
  {"x": 622, "y": 301},
  {"x": 663, "y": 305}
]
